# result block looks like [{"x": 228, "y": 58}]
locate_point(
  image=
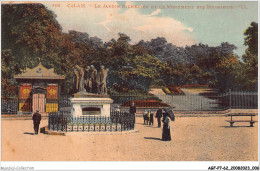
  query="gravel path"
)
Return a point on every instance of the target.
[{"x": 193, "y": 139}]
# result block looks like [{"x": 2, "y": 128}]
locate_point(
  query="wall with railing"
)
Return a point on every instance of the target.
[{"x": 118, "y": 121}]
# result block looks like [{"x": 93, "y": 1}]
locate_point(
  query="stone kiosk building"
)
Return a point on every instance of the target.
[{"x": 39, "y": 89}]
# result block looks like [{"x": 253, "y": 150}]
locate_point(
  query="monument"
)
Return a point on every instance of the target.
[{"x": 91, "y": 97}]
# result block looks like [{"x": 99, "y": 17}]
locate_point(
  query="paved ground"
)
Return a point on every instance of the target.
[{"x": 193, "y": 139}]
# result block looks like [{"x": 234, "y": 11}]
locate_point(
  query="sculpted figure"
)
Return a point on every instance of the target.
[
  {"x": 102, "y": 76},
  {"x": 93, "y": 78},
  {"x": 79, "y": 82},
  {"x": 76, "y": 80},
  {"x": 88, "y": 81}
]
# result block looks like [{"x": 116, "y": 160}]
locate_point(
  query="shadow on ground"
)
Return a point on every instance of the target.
[
  {"x": 29, "y": 133},
  {"x": 236, "y": 126},
  {"x": 152, "y": 138},
  {"x": 150, "y": 126}
]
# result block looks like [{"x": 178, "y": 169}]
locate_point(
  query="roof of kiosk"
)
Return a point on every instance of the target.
[{"x": 39, "y": 72}]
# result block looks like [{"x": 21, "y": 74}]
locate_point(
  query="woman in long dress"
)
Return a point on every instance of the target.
[{"x": 166, "y": 134}]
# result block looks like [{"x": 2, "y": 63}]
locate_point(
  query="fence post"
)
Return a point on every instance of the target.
[
  {"x": 201, "y": 104},
  {"x": 49, "y": 122},
  {"x": 105, "y": 123},
  {"x": 66, "y": 122},
  {"x": 88, "y": 122},
  {"x": 172, "y": 101},
  {"x": 230, "y": 100},
  {"x": 100, "y": 123}
]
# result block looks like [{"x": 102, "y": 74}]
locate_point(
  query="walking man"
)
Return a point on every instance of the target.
[
  {"x": 145, "y": 116},
  {"x": 132, "y": 111},
  {"x": 36, "y": 121},
  {"x": 159, "y": 116},
  {"x": 151, "y": 118}
]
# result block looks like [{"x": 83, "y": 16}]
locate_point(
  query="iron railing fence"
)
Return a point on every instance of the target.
[
  {"x": 64, "y": 103},
  {"x": 211, "y": 102},
  {"x": 9, "y": 105},
  {"x": 191, "y": 102},
  {"x": 243, "y": 100},
  {"x": 15, "y": 105},
  {"x": 118, "y": 121},
  {"x": 194, "y": 102}
]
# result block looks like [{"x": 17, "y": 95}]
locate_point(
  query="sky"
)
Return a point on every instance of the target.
[{"x": 201, "y": 22}]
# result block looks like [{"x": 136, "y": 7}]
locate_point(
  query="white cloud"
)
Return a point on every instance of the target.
[
  {"x": 156, "y": 12},
  {"x": 106, "y": 23}
]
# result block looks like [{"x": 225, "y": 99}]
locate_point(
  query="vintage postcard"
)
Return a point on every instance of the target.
[{"x": 172, "y": 82}]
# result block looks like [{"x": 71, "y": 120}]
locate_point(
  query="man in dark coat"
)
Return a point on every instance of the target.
[
  {"x": 159, "y": 116},
  {"x": 151, "y": 118},
  {"x": 132, "y": 111},
  {"x": 36, "y": 121}
]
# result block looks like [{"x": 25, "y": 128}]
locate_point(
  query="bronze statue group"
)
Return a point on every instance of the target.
[{"x": 90, "y": 80}]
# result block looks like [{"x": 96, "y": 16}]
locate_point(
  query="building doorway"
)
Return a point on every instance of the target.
[{"x": 39, "y": 103}]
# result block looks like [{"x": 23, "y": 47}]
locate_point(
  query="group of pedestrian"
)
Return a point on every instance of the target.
[{"x": 148, "y": 118}]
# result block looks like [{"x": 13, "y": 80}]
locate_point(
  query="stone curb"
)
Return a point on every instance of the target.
[
  {"x": 45, "y": 130},
  {"x": 102, "y": 133}
]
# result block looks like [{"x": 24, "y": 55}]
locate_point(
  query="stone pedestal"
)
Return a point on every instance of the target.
[{"x": 85, "y": 104}]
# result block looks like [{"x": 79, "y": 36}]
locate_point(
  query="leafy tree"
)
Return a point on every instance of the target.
[
  {"x": 131, "y": 66},
  {"x": 227, "y": 73},
  {"x": 31, "y": 32},
  {"x": 250, "y": 57},
  {"x": 8, "y": 69},
  {"x": 165, "y": 52},
  {"x": 251, "y": 38}
]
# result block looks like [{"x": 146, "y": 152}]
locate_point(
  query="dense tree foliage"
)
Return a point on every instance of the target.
[
  {"x": 31, "y": 33},
  {"x": 250, "y": 57}
]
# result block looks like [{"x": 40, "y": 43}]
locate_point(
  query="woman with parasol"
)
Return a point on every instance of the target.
[{"x": 166, "y": 134}]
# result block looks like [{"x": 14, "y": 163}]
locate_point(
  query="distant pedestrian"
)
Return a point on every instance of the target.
[
  {"x": 159, "y": 116},
  {"x": 117, "y": 109},
  {"x": 145, "y": 116},
  {"x": 132, "y": 111},
  {"x": 166, "y": 133},
  {"x": 151, "y": 118},
  {"x": 148, "y": 117},
  {"x": 36, "y": 121}
]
